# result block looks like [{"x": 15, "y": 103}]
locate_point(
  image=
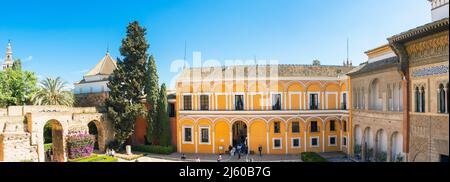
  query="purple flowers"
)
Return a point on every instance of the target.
[{"x": 80, "y": 144}]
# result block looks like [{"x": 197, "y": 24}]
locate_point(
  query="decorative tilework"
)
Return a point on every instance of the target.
[{"x": 437, "y": 70}]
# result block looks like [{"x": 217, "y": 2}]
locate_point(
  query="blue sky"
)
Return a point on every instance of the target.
[{"x": 56, "y": 38}]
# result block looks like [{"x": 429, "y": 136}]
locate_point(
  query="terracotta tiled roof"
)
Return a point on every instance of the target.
[
  {"x": 377, "y": 65},
  {"x": 104, "y": 67}
]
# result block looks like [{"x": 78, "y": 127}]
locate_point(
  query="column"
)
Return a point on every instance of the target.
[
  {"x": 286, "y": 139},
  {"x": 323, "y": 136},
  {"x": 445, "y": 102},
  {"x": 399, "y": 97},
  {"x": 267, "y": 141},
  {"x": 304, "y": 139},
  {"x": 214, "y": 141}
]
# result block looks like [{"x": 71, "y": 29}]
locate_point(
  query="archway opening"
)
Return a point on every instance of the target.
[
  {"x": 397, "y": 147},
  {"x": 368, "y": 146},
  {"x": 381, "y": 146},
  {"x": 53, "y": 141},
  {"x": 239, "y": 133},
  {"x": 357, "y": 148},
  {"x": 93, "y": 130}
]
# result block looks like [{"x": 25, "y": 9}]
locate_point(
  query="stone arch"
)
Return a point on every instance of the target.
[
  {"x": 367, "y": 144},
  {"x": 381, "y": 145},
  {"x": 396, "y": 146},
  {"x": 375, "y": 94},
  {"x": 357, "y": 136},
  {"x": 100, "y": 135},
  {"x": 57, "y": 151}
]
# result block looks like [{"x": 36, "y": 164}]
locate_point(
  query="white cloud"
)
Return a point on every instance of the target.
[{"x": 29, "y": 58}]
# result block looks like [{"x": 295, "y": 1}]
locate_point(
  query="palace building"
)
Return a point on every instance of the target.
[
  {"x": 92, "y": 90},
  {"x": 423, "y": 61},
  {"x": 282, "y": 109},
  {"x": 377, "y": 117}
]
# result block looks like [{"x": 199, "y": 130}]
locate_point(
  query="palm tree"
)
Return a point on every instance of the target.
[{"x": 51, "y": 92}]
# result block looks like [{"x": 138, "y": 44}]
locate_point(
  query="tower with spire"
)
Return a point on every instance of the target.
[{"x": 8, "y": 63}]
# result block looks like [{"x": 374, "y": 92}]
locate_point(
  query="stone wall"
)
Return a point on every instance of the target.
[
  {"x": 15, "y": 147},
  {"x": 429, "y": 137},
  {"x": 21, "y": 133},
  {"x": 91, "y": 99}
]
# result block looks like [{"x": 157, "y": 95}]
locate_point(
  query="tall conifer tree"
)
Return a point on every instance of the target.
[
  {"x": 125, "y": 84},
  {"x": 163, "y": 117},
  {"x": 152, "y": 90}
]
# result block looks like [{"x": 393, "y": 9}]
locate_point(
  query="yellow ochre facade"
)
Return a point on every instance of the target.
[{"x": 282, "y": 109}]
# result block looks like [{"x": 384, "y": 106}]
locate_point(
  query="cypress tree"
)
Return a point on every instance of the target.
[
  {"x": 125, "y": 86},
  {"x": 163, "y": 117},
  {"x": 152, "y": 90}
]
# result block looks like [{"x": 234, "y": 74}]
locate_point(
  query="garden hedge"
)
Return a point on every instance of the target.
[{"x": 155, "y": 149}]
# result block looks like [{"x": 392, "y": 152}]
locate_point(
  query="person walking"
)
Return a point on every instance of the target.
[
  {"x": 239, "y": 147},
  {"x": 219, "y": 159},
  {"x": 260, "y": 150}
]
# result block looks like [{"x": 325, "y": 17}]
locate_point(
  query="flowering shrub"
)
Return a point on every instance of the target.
[{"x": 80, "y": 144}]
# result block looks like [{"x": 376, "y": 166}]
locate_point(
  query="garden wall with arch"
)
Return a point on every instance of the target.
[{"x": 22, "y": 130}]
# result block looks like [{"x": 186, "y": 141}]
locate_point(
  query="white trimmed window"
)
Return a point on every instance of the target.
[
  {"x": 204, "y": 102},
  {"x": 204, "y": 135},
  {"x": 277, "y": 143},
  {"x": 295, "y": 142},
  {"x": 332, "y": 141},
  {"x": 187, "y": 135},
  {"x": 314, "y": 141},
  {"x": 313, "y": 101},
  {"x": 187, "y": 102}
]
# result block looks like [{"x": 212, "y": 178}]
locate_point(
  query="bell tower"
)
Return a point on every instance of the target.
[{"x": 8, "y": 60}]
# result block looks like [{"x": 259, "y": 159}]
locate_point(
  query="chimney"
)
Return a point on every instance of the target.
[{"x": 439, "y": 9}]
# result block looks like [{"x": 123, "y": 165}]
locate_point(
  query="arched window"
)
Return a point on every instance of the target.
[
  {"x": 417, "y": 99},
  {"x": 422, "y": 99},
  {"x": 375, "y": 102},
  {"x": 441, "y": 99}
]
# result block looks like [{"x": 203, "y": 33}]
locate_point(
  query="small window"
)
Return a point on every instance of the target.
[
  {"x": 276, "y": 127},
  {"x": 332, "y": 125},
  {"x": 314, "y": 101},
  {"x": 344, "y": 101},
  {"x": 332, "y": 141},
  {"x": 187, "y": 102},
  {"x": 188, "y": 134},
  {"x": 276, "y": 102},
  {"x": 239, "y": 102},
  {"x": 314, "y": 141},
  {"x": 314, "y": 127},
  {"x": 276, "y": 143},
  {"x": 295, "y": 127},
  {"x": 344, "y": 125},
  {"x": 171, "y": 110},
  {"x": 204, "y": 102},
  {"x": 344, "y": 142},
  {"x": 295, "y": 142},
  {"x": 204, "y": 135}
]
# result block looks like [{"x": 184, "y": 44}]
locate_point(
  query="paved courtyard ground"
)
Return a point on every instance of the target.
[
  {"x": 335, "y": 157},
  {"x": 176, "y": 157}
]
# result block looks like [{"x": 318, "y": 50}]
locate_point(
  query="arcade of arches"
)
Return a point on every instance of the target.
[{"x": 276, "y": 135}]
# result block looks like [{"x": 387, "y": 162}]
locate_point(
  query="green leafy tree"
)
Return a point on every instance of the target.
[
  {"x": 152, "y": 90},
  {"x": 17, "y": 65},
  {"x": 52, "y": 91},
  {"x": 16, "y": 87},
  {"x": 126, "y": 91},
  {"x": 316, "y": 62},
  {"x": 163, "y": 117}
]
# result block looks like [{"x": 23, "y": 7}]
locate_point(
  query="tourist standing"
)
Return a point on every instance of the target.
[
  {"x": 239, "y": 151},
  {"x": 260, "y": 150}
]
